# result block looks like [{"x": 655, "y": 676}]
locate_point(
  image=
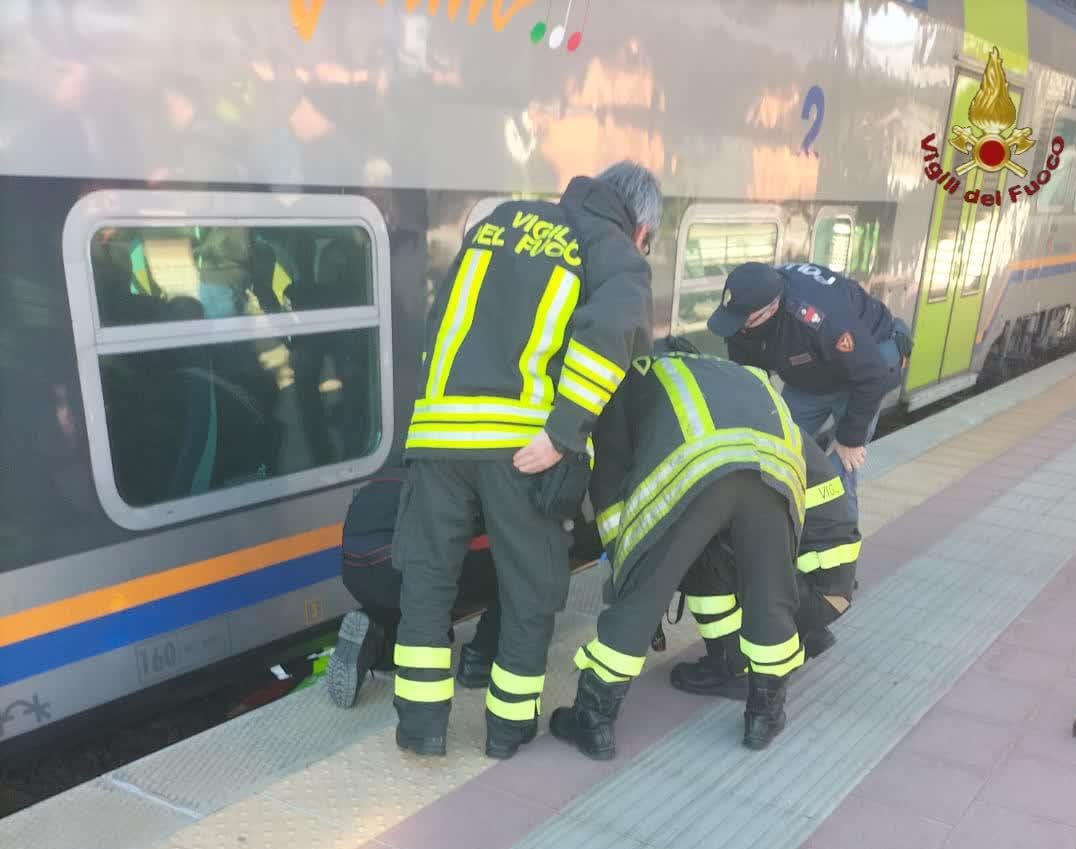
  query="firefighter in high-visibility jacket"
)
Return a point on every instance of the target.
[
  {"x": 527, "y": 339},
  {"x": 689, "y": 448},
  {"x": 826, "y": 576}
]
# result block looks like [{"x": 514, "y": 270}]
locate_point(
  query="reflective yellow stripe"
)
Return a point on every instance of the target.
[
  {"x": 585, "y": 661},
  {"x": 456, "y": 322},
  {"x": 586, "y": 396},
  {"x": 609, "y": 522},
  {"x": 424, "y": 691},
  {"x": 517, "y": 685},
  {"x": 830, "y": 558},
  {"x": 515, "y": 711},
  {"x": 547, "y": 336},
  {"x": 690, "y": 463},
  {"x": 479, "y": 409},
  {"x": 622, "y": 664},
  {"x": 469, "y": 436},
  {"x": 710, "y": 605},
  {"x": 824, "y": 493},
  {"x": 593, "y": 366},
  {"x": 780, "y": 669},
  {"x": 722, "y": 627},
  {"x": 770, "y": 654},
  {"x": 422, "y": 657},
  {"x": 792, "y": 435},
  {"x": 691, "y": 408}
]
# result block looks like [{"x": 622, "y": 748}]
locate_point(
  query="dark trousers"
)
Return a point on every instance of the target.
[
  {"x": 824, "y": 595},
  {"x": 439, "y": 512},
  {"x": 377, "y": 587},
  {"x": 757, "y": 522}
]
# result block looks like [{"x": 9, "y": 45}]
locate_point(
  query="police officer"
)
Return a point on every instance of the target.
[
  {"x": 527, "y": 340},
  {"x": 689, "y": 448},
  {"x": 838, "y": 350},
  {"x": 828, "y": 551}
]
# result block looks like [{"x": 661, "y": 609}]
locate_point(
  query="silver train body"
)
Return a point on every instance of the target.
[{"x": 221, "y": 224}]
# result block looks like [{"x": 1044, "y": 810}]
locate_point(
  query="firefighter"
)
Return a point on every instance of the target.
[
  {"x": 837, "y": 349},
  {"x": 367, "y": 636},
  {"x": 689, "y": 448},
  {"x": 826, "y": 575},
  {"x": 528, "y": 338}
]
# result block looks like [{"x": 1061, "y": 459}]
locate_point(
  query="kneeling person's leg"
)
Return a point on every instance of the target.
[{"x": 710, "y": 591}]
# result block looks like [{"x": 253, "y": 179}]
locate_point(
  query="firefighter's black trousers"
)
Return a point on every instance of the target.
[
  {"x": 438, "y": 515},
  {"x": 711, "y": 587},
  {"x": 756, "y": 520}
]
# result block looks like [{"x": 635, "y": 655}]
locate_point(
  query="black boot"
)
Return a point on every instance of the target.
[
  {"x": 423, "y": 728},
  {"x": 504, "y": 737},
  {"x": 474, "y": 669},
  {"x": 589, "y": 722},
  {"x": 764, "y": 717},
  {"x": 359, "y": 647},
  {"x": 817, "y": 641},
  {"x": 722, "y": 671}
]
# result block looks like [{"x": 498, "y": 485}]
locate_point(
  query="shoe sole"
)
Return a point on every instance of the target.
[{"x": 342, "y": 674}]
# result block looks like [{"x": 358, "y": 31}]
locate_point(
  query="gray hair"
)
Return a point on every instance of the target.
[{"x": 639, "y": 187}]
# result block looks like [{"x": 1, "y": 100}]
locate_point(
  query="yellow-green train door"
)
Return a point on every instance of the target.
[{"x": 961, "y": 237}]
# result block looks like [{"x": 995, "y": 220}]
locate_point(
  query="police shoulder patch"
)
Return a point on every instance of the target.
[
  {"x": 845, "y": 343},
  {"x": 808, "y": 314}
]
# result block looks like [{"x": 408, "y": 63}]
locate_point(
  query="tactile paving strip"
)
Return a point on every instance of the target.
[
  {"x": 899, "y": 650},
  {"x": 96, "y": 815}
]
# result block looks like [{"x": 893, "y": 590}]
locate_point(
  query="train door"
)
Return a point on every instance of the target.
[
  {"x": 713, "y": 240},
  {"x": 960, "y": 244}
]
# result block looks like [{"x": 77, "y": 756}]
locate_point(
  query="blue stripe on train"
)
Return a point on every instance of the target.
[
  {"x": 78, "y": 642},
  {"x": 1023, "y": 275}
]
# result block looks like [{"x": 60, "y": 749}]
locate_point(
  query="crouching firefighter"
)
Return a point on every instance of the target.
[
  {"x": 528, "y": 337},
  {"x": 691, "y": 447},
  {"x": 826, "y": 575}
]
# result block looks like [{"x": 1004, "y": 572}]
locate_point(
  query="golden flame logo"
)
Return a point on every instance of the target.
[{"x": 992, "y": 112}]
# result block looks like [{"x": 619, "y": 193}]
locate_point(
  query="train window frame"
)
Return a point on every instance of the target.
[
  {"x": 150, "y": 207},
  {"x": 718, "y": 213},
  {"x": 834, "y": 212}
]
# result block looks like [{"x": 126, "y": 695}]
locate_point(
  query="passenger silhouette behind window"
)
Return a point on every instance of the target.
[{"x": 341, "y": 269}]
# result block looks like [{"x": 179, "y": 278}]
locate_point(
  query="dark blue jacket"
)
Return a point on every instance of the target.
[{"x": 825, "y": 338}]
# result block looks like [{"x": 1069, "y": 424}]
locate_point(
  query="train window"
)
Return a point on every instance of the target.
[
  {"x": 1052, "y": 196},
  {"x": 709, "y": 250},
  {"x": 831, "y": 243},
  {"x": 235, "y": 346},
  {"x": 151, "y": 274}
]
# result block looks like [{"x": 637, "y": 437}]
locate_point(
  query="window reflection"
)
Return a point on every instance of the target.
[{"x": 160, "y": 274}]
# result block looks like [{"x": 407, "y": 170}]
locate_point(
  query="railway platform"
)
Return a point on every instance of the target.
[{"x": 941, "y": 719}]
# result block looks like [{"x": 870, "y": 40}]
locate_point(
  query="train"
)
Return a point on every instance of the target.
[{"x": 222, "y": 224}]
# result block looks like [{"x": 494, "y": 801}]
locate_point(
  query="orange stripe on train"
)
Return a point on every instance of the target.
[{"x": 96, "y": 603}]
